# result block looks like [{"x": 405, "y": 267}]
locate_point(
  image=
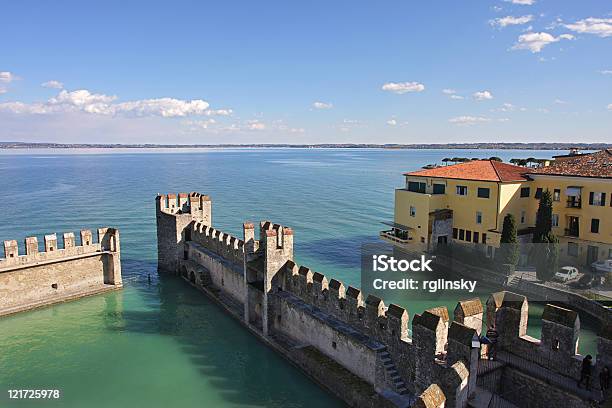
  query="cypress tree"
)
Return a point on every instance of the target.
[
  {"x": 509, "y": 250},
  {"x": 546, "y": 248}
]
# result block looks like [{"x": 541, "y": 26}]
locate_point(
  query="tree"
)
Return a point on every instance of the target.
[
  {"x": 495, "y": 158},
  {"x": 509, "y": 249},
  {"x": 446, "y": 160},
  {"x": 546, "y": 249}
]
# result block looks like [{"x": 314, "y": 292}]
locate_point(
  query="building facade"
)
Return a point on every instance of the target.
[{"x": 467, "y": 203}]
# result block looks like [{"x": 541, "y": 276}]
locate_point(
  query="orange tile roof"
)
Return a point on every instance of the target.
[
  {"x": 481, "y": 170},
  {"x": 598, "y": 164}
]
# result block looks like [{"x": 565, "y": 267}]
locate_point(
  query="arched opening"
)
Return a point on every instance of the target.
[{"x": 192, "y": 277}]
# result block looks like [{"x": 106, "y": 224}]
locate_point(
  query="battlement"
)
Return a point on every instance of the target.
[
  {"x": 51, "y": 270},
  {"x": 182, "y": 203},
  {"x": 108, "y": 240},
  {"x": 218, "y": 242},
  {"x": 559, "y": 335}
]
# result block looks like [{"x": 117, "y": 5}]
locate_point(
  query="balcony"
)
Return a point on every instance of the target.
[
  {"x": 399, "y": 233},
  {"x": 390, "y": 235},
  {"x": 574, "y": 202}
]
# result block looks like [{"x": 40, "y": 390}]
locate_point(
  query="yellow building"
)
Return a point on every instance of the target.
[{"x": 467, "y": 203}]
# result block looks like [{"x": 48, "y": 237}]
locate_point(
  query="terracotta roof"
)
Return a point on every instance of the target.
[
  {"x": 598, "y": 164},
  {"x": 482, "y": 170}
]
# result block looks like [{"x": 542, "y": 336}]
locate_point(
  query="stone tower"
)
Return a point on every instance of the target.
[
  {"x": 263, "y": 260},
  {"x": 174, "y": 216}
]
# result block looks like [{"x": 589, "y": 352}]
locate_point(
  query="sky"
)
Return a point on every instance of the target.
[{"x": 332, "y": 71}]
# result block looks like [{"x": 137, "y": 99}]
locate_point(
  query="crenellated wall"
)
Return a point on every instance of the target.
[
  {"x": 283, "y": 301},
  {"x": 58, "y": 271}
]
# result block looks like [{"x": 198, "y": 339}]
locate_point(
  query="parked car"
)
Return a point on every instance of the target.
[
  {"x": 604, "y": 266},
  {"x": 585, "y": 282},
  {"x": 566, "y": 273}
]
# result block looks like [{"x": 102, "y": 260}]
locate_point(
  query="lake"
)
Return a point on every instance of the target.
[{"x": 159, "y": 342}]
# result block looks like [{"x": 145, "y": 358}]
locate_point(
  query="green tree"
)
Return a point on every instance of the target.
[
  {"x": 495, "y": 158},
  {"x": 546, "y": 249},
  {"x": 509, "y": 250}
]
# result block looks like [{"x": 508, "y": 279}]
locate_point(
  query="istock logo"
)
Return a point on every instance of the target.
[{"x": 384, "y": 263}]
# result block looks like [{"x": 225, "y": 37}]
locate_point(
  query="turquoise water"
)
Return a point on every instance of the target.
[{"x": 162, "y": 343}]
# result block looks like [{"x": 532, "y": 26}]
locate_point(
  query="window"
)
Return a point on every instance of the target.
[
  {"x": 597, "y": 199},
  {"x": 484, "y": 238},
  {"x": 412, "y": 211},
  {"x": 524, "y": 192},
  {"x": 439, "y": 188},
  {"x": 476, "y": 237},
  {"x": 416, "y": 186},
  {"x": 538, "y": 193},
  {"x": 478, "y": 217},
  {"x": 334, "y": 345},
  {"x": 54, "y": 285},
  {"x": 461, "y": 234},
  {"x": 468, "y": 236},
  {"x": 483, "y": 192},
  {"x": 555, "y": 220},
  {"x": 462, "y": 190},
  {"x": 572, "y": 249},
  {"x": 555, "y": 345},
  {"x": 523, "y": 216},
  {"x": 557, "y": 195},
  {"x": 595, "y": 226},
  {"x": 455, "y": 233}
]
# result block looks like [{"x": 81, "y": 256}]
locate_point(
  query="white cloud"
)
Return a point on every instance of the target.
[
  {"x": 2, "y": 91},
  {"x": 510, "y": 20},
  {"x": 468, "y": 120},
  {"x": 560, "y": 102},
  {"x": 482, "y": 95},
  {"x": 451, "y": 93},
  {"x": 403, "y": 87},
  {"x": 83, "y": 100},
  {"x": 7, "y": 77},
  {"x": 534, "y": 42},
  {"x": 610, "y": 107},
  {"x": 392, "y": 122},
  {"x": 606, "y": 72},
  {"x": 522, "y": 2},
  {"x": 53, "y": 84},
  {"x": 601, "y": 27},
  {"x": 322, "y": 105},
  {"x": 255, "y": 125}
]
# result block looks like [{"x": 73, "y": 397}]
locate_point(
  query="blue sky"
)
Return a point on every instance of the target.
[{"x": 306, "y": 72}]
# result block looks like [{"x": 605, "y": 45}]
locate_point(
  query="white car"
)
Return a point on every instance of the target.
[
  {"x": 566, "y": 273},
  {"x": 604, "y": 266}
]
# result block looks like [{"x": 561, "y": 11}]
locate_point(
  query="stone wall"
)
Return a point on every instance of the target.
[
  {"x": 293, "y": 305},
  {"x": 59, "y": 272}
]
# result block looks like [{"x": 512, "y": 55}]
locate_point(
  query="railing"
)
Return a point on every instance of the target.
[
  {"x": 390, "y": 235},
  {"x": 574, "y": 203}
]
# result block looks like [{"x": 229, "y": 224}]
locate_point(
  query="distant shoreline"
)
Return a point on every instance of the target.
[{"x": 391, "y": 146}]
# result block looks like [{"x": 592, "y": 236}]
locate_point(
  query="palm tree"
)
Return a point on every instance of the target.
[{"x": 446, "y": 160}]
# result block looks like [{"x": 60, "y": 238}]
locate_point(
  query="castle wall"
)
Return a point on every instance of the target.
[
  {"x": 57, "y": 274},
  {"x": 294, "y": 308},
  {"x": 300, "y": 323},
  {"x": 224, "y": 275}
]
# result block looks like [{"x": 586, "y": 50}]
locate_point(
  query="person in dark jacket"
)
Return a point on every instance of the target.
[{"x": 585, "y": 372}]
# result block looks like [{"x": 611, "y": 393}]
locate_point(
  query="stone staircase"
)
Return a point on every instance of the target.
[
  {"x": 391, "y": 373},
  {"x": 513, "y": 282}
]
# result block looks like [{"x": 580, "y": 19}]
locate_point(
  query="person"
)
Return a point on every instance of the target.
[
  {"x": 604, "y": 381},
  {"x": 585, "y": 372},
  {"x": 490, "y": 339}
]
